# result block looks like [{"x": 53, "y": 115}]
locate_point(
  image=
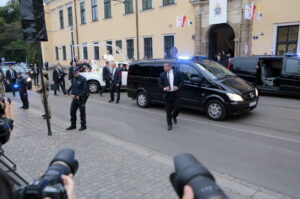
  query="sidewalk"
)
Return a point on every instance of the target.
[{"x": 109, "y": 167}]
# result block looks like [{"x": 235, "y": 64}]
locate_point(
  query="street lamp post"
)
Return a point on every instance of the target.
[{"x": 72, "y": 43}]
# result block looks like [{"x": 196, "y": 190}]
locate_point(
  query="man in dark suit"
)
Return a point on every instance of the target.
[
  {"x": 11, "y": 76},
  {"x": 58, "y": 76},
  {"x": 106, "y": 77},
  {"x": 71, "y": 76},
  {"x": 171, "y": 82},
  {"x": 116, "y": 82}
]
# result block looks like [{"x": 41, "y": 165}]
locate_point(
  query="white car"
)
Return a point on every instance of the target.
[{"x": 95, "y": 79}]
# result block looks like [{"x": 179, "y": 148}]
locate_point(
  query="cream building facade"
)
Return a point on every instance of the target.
[{"x": 115, "y": 22}]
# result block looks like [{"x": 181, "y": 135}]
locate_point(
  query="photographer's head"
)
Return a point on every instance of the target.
[{"x": 6, "y": 189}]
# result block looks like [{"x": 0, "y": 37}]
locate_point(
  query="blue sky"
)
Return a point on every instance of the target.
[{"x": 3, "y": 2}]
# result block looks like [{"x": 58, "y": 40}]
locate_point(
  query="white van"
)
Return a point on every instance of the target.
[{"x": 95, "y": 79}]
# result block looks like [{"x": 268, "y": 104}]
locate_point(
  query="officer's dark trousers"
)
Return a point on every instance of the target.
[
  {"x": 172, "y": 105},
  {"x": 75, "y": 105},
  {"x": 113, "y": 89},
  {"x": 24, "y": 98}
]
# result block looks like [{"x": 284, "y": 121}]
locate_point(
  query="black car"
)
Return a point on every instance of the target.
[
  {"x": 208, "y": 86},
  {"x": 270, "y": 74},
  {"x": 18, "y": 69}
]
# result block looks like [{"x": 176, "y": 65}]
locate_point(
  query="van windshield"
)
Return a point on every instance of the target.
[{"x": 214, "y": 70}]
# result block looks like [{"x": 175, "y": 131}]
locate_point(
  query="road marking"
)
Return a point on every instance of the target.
[{"x": 203, "y": 122}]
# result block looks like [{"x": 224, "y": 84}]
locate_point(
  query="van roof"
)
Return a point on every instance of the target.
[{"x": 185, "y": 59}]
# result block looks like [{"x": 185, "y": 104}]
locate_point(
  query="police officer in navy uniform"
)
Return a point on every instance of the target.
[
  {"x": 79, "y": 93},
  {"x": 22, "y": 82}
]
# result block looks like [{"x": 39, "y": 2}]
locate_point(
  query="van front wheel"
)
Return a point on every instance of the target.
[
  {"x": 215, "y": 110},
  {"x": 142, "y": 99}
]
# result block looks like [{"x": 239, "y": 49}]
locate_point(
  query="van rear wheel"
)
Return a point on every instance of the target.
[
  {"x": 142, "y": 99},
  {"x": 215, "y": 110}
]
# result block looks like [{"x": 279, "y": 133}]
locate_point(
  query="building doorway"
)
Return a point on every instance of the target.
[{"x": 221, "y": 38}]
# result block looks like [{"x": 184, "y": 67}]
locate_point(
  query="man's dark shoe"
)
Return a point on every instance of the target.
[
  {"x": 175, "y": 120},
  {"x": 44, "y": 115},
  {"x": 117, "y": 102},
  {"x": 82, "y": 128},
  {"x": 26, "y": 108},
  {"x": 71, "y": 128},
  {"x": 110, "y": 101},
  {"x": 169, "y": 127},
  {"x": 22, "y": 107},
  {"x": 101, "y": 94}
]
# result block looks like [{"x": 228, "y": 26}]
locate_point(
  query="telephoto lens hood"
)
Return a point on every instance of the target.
[
  {"x": 4, "y": 132},
  {"x": 68, "y": 157},
  {"x": 189, "y": 171}
]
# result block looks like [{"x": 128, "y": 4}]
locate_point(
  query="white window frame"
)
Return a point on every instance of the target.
[
  {"x": 162, "y": 3},
  {"x": 134, "y": 46},
  {"x": 163, "y": 42},
  {"x": 143, "y": 44},
  {"x": 275, "y": 27}
]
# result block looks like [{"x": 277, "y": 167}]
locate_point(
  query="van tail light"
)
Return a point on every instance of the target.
[{"x": 228, "y": 67}]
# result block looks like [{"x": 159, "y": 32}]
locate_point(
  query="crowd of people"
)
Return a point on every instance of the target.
[{"x": 224, "y": 57}]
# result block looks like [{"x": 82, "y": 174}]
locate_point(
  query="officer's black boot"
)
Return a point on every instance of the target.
[
  {"x": 82, "y": 128},
  {"x": 71, "y": 128}
]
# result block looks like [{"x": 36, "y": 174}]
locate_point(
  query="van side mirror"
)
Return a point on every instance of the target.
[{"x": 196, "y": 80}]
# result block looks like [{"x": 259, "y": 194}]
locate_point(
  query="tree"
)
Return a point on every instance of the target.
[{"x": 12, "y": 45}]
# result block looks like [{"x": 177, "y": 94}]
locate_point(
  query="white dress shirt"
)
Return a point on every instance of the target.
[
  {"x": 108, "y": 57},
  {"x": 113, "y": 73},
  {"x": 171, "y": 80}
]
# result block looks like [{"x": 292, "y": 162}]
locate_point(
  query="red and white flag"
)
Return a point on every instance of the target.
[{"x": 253, "y": 9}]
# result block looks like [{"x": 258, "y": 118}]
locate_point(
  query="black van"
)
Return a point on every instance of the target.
[
  {"x": 208, "y": 86},
  {"x": 270, "y": 74}
]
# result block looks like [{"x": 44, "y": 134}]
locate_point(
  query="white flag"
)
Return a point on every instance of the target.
[
  {"x": 248, "y": 12},
  {"x": 179, "y": 21}
]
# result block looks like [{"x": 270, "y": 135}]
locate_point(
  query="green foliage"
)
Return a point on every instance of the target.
[{"x": 12, "y": 45}]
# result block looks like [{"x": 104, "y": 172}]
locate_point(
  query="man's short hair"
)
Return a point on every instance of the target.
[{"x": 107, "y": 62}]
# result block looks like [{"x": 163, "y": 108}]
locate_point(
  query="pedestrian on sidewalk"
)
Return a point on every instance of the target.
[
  {"x": 22, "y": 82},
  {"x": 2, "y": 85},
  {"x": 40, "y": 91},
  {"x": 106, "y": 75},
  {"x": 79, "y": 94},
  {"x": 116, "y": 82},
  {"x": 171, "y": 82}
]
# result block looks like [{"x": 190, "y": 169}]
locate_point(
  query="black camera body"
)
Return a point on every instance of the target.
[
  {"x": 50, "y": 183},
  {"x": 188, "y": 171}
]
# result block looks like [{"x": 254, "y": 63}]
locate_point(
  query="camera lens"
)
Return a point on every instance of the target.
[{"x": 189, "y": 171}]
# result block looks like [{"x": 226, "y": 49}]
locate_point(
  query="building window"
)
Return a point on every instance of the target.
[
  {"x": 85, "y": 52},
  {"x": 168, "y": 45},
  {"x": 107, "y": 9},
  {"x": 64, "y": 53},
  {"x": 94, "y": 4},
  {"x": 168, "y": 2},
  {"x": 148, "y": 50},
  {"x": 287, "y": 39},
  {"x": 119, "y": 44},
  {"x": 61, "y": 19},
  {"x": 130, "y": 48},
  {"x": 109, "y": 48},
  {"x": 96, "y": 51},
  {"x": 70, "y": 16},
  {"x": 128, "y": 6},
  {"x": 82, "y": 13},
  {"x": 72, "y": 52},
  {"x": 56, "y": 53},
  {"x": 146, "y": 4}
]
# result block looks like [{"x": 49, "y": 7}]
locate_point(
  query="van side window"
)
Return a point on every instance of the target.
[
  {"x": 292, "y": 66},
  {"x": 156, "y": 70},
  {"x": 188, "y": 72},
  {"x": 248, "y": 65},
  {"x": 140, "y": 70}
]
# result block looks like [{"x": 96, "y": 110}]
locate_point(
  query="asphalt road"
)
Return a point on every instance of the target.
[{"x": 261, "y": 147}]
